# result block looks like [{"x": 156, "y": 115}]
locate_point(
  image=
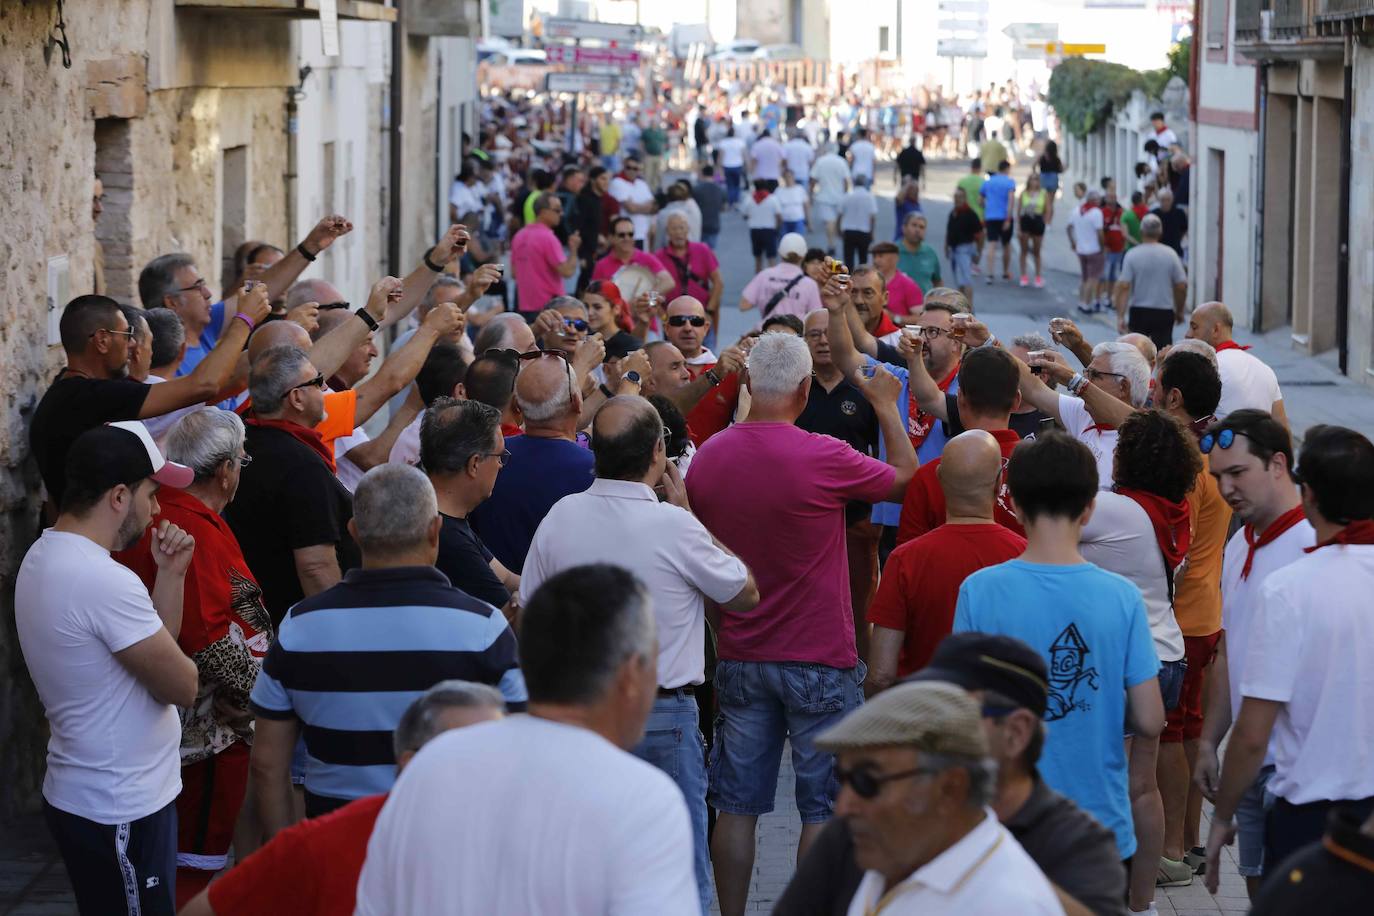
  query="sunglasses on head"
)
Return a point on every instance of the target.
[
  {"x": 867, "y": 783},
  {"x": 677, "y": 321},
  {"x": 1224, "y": 439},
  {"x": 516, "y": 356},
  {"x": 331, "y": 306}
]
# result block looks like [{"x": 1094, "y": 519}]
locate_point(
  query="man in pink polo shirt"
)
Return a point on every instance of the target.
[
  {"x": 537, "y": 259},
  {"x": 775, "y": 494},
  {"x": 904, "y": 297}
]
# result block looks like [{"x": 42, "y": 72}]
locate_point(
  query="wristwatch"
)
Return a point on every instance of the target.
[
  {"x": 712, "y": 376},
  {"x": 633, "y": 377},
  {"x": 367, "y": 318}
]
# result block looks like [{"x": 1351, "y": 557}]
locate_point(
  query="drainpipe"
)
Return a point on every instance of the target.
[
  {"x": 1257, "y": 280},
  {"x": 1343, "y": 226},
  {"x": 396, "y": 147},
  {"x": 293, "y": 95}
]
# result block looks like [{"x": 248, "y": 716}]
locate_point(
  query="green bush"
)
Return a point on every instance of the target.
[{"x": 1086, "y": 93}]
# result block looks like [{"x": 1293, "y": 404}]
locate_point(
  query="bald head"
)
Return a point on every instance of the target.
[
  {"x": 277, "y": 334},
  {"x": 543, "y": 391},
  {"x": 320, "y": 291},
  {"x": 1145, "y": 345},
  {"x": 627, "y": 440},
  {"x": 969, "y": 471},
  {"x": 507, "y": 331},
  {"x": 330, "y": 320},
  {"x": 1211, "y": 322}
]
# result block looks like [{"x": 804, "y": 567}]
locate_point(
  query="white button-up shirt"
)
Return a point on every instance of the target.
[
  {"x": 622, "y": 522},
  {"x": 986, "y": 873}
]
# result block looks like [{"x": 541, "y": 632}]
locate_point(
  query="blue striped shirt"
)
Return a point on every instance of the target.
[{"x": 347, "y": 662}]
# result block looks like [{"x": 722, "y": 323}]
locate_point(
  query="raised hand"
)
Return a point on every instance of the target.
[
  {"x": 326, "y": 232},
  {"x": 307, "y": 315},
  {"x": 881, "y": 388},
  {"x": 252, "y": 300},
  {"x": 446, "y": 319},
  {"x": 384, "y": 292},
  {"x": 172, "y": 548}
]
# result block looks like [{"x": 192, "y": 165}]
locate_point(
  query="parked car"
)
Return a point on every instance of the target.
[
  {"x": 780, "y": 52},
  {"x": 735, "y": 49},
  {"x": 519, "y": 57}
]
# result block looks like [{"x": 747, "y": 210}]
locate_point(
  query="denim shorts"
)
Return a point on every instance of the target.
[
  {"x": 961, "y": 263},
  {"x": 762, "y": 704},
  {"x": 1171, "y": 675},
  {"x": 1250, "y": 816},
  {"x": 1112, "y": 268}
]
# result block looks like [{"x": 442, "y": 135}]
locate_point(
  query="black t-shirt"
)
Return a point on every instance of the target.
[
  {"x": 1315, "y": 879},
  {"x": 1175, "y": 228},
  {"x": 287, "y": 499},
  {"x": 963, "y": 227},
  {"x": 1074, "y": 851},
  {"x": 70, "y": 406},
  {"x": 467, "y": 562},
  {"x": 911, "y": 161},
  {"x": 1026, "y": 425},
  {"x": 843, "y": 412}
]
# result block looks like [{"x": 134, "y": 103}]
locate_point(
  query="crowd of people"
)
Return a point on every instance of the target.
[{"x": 536, "y": 639}]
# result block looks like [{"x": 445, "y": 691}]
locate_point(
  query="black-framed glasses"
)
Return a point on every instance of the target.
[
  {"x": 113, "y": 333},
  {"x": 867, "y": 783},
  {"x": 1224, "y": 439},
  {"x": 199, "y": 284},
  {"x": 516, "y": 356},
  {"x": 624, "y": 235},
  {"x": 1093, "y": 375},
  {"x": 677, "y": 321},
  {"x": 316, "y": 382},
  {"x": 331, "y": 306},
  {"x": 501, "y": 457}
]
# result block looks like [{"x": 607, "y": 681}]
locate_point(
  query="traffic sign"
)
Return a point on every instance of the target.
[
  {"x": 604, "y": 83},
  {"x": 964, "y": 25},
  {"x": 964, "y": 6},
  {"x": 1065, "y": 49},
  {"x": 1026, "y": 32},
  {"x": 586, "y": 28},
  {"x": 961, "y": 47},
  {"x": 594, "y": 57}
]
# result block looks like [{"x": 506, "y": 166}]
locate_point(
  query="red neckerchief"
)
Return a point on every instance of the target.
[
  {"x": 1100, "y": 427},
  {"x": 1360, "y": 531},
  {"x": 302, "y": 434},
  {"x": 759, "y": 195},
  {"x": 1277, "y": 527},
  {"x": 1229, "y": 345},
  {"x": 919, "y": 423},
  {"x": 511, "y": 429},
  {"x": 885, "y": 326},
  {"x": 1170, "y": 521}
]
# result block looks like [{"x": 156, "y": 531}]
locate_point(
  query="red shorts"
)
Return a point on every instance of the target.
[
  {"x": 1184, "y": 723},
  {"x": 208, "y": 808}
]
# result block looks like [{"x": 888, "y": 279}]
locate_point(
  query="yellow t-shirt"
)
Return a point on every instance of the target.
[{"x": 1197, "y": 594}]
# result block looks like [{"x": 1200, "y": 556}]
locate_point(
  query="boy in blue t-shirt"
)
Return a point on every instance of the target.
[
  {"x": 997, "y": 194},
  {"x": 1089, "y": 623}
]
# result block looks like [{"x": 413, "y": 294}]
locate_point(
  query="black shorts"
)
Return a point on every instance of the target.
[
  {"x": 1033, "y": 224},
  {"x": 1156, "y": 324},
  {"x": 764, "y": 242},
  {"x": 997, "y": 230}
]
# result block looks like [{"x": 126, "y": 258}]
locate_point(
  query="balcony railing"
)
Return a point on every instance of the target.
[
  {"x": 1286, "y": 29},
  {"x": 371, "y": 10},
  {"x": 1341, "y": 17},
  {"x": 1345, "y": 8}
]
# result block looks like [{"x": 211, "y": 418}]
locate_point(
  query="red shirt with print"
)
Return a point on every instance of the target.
[
  {"x": 924, "y": 507},
  {"x": 1112, "y": 231},
  {"x": 716, "y": 409},
  {"x": 920, "y": 585}
]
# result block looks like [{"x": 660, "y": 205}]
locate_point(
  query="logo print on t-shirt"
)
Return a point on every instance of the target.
[
  {"x": 848, "y": 408},
  {"x": 1069, "y": 673}
]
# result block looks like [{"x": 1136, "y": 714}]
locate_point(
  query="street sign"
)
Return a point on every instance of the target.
[
  {"x": 604, "y": 83},
  {"x": 594, "y": 57},
  {"x": 964, "y": 25},
  {"x": 1027, "y": 32},
  {"x": 1064, "y": 49},
  {"x": 585, "y": 28},
  {"x": 961, "y": 47},
  {"x": 964, "y": 6}
]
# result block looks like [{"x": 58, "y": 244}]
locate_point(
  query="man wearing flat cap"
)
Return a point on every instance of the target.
[
  {"x": 1076, "y": 853},
  {"x": 916, "y": 781}
]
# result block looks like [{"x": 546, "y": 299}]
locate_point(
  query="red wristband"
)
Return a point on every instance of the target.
[{"x": 246, "y": 320}]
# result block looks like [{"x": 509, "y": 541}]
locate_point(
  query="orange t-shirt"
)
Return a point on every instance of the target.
[
  {"x": 339, "y": 410},
  {"x": 1197, "y": 595}
]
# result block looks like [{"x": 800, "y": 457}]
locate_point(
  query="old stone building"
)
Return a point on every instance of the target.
[{"x": 185, "y": 110}]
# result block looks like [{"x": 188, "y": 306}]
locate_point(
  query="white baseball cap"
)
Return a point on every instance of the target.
[{"x": 792, "y": 243}]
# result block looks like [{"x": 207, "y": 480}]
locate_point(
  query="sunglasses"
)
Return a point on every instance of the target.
[
  {"x": 867, "y": 783},
  {"x": 577, "y": 324},
  {"x": 515, "y": 357},
  {"x": 331, "y": 306},
  {"x": 1223, "y": 439},
  {"x": 624, "y": 235},
  {"x": 316, "y": 382},
  {"x": 677, "y": 321}
]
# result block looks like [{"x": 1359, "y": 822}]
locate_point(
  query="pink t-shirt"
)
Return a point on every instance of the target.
[
  {"x": 605, "y": 268},
  {"x": 903, "y": 295},
  {"x": 801, "y": 299},
  {"x": 535, "y": 254},
  {"x": 775, "y": 495},
  {"x": 700, "y": 261}
]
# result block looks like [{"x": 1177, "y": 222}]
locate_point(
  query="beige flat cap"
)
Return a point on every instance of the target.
[{"x": 930, "y": 716}]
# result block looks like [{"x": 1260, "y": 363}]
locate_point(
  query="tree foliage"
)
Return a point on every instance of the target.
[{"x": 1086, "y": 93}]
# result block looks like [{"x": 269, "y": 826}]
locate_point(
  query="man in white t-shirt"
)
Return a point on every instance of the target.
[
  {"x": 800, "y": 155},
  {"x": 766, "y": 157},
  {"x": 830, "y": 182},
  {"x": 545, "y": 813},
  {"x": 1245, "y": 380},
  {"x": 636, "y": 199},
  {"x": 1164, "y": 135},
  {"x": 1250, "y": 455},
  {"x": 858, "y": 221},
  {"x": 681, "y": 566},
  {"x": 1307, "y": 688},
  {"x": 103, "y": 655},
  {"x": 862, "y": 154},
  {"x": 732, "y": 149},
  {"x": 1086, "y": 235}
]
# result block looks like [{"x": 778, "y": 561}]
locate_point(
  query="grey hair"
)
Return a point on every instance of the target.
[
  {"x": 545, "y": 201},
  {"x": 443, "y": 281},
  {"x": 558, "y": 403},
  {"x": 204, "y": 439},
  {"x": 497, "y": 334},
  {"x": 1151, "y": 227},
  {"x": 137, "y": 323},
  {"x": 168, "y": 335},
  {"x": 1143, "y": 343},
  {"x": 274, "y": 373},
  {"x": 677, "y": 216},
  {"x": 393, "y": 508},
  {"x": 1032, "y": 341},
  {"x": 1193, "y": 345},
  {"x": 157, "y": 280},
  {"x": 570, "y": 302},
  {"x": 302, "y": 292},
  {"x": 778, "y": 363},
  {"x": 982, "y": 774},
  {"x": 1127, "y": 361},
  {"x": 420, "y": 722}
]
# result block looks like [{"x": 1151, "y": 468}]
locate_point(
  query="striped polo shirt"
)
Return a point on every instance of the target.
[{"x": 348, "y": 661}]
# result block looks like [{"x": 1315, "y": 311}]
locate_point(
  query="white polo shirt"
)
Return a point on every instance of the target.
[
  {"x": 1312, "y": 649},
  {"x": 1101, "y": 442},
  {"x": 113, "y": 754},
  {"x": 1245, "y": 382},
  {"x": 986, "y": 873},
  {"x": 636, "y": 192},
  {"x": 622, "y": 522},
  {"x": 1240, "y": 597}
]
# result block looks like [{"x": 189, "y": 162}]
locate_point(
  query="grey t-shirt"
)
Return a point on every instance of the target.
[{"x": 1152, "y": 270}]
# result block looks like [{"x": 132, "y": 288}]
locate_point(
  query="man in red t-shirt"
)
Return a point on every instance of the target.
[
  {"x": 1113, "y": 243},
  {"x": 987, "y": 395},
  {"x": 710, "y": 396},
  {"x": 914, "y": 608},
  {"x": 312, "y": 868}
]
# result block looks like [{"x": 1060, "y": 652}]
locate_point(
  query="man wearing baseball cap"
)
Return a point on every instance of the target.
[
  {"x": 1075, "y": 852},
  {"x": 102, "y": 652},
  {"x": 917, "y": 781},
  {"x": 783, "y": 289}
]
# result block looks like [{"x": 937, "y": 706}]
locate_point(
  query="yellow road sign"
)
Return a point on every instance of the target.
[{"x": 1065, "y": 49}]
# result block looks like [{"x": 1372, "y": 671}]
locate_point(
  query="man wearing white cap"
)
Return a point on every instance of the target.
[
  {"x": 102, "y": 652},
  {"x": 783, "y": 289},
  {"x": 916, "y": 779}
]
